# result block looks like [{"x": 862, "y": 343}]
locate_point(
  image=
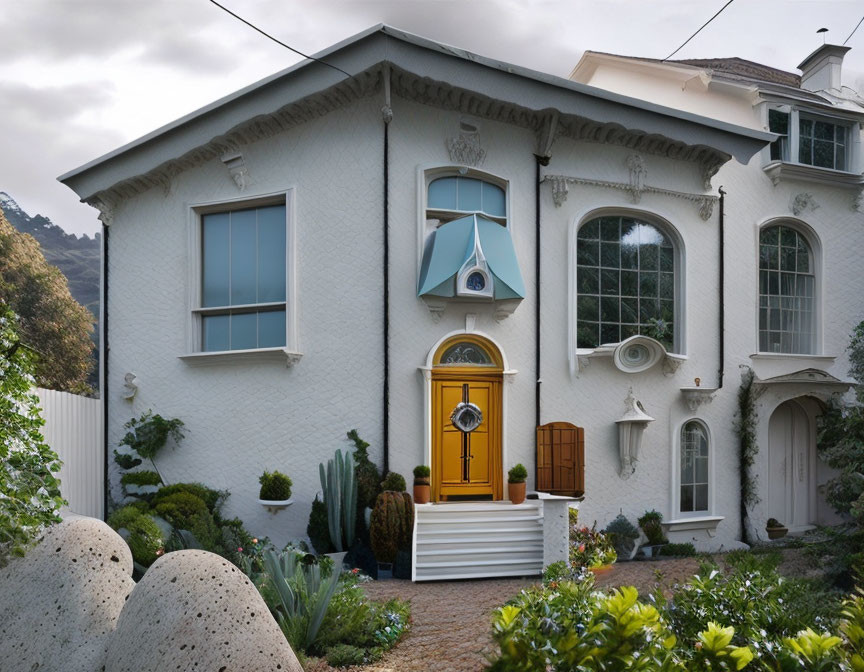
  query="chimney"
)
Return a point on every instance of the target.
[{"x": 820, "y": 71}]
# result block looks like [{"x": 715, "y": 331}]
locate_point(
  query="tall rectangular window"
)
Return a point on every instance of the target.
[
  {"x": 243, "y": 291},
  {"x": 694, "y": 467}
]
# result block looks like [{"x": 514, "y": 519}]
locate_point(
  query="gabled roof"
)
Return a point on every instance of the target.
[{"x": 421, "y": 69}]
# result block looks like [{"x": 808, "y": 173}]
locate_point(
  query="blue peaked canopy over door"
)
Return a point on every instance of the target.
[{"x": 451, "y": 246}]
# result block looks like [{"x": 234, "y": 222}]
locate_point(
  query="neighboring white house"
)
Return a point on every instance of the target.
[{"x": 319, "y": 252}]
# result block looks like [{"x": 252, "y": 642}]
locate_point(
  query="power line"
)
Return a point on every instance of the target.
[
  {"x": 853, "y": 32},
  {"x": 694, "y": 34},
  {"x": 254, "y": 27}
]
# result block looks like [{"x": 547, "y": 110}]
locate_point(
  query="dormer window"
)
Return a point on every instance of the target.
[{"x": 809, "y": 139}]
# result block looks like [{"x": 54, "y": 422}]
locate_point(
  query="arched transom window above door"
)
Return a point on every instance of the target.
[
  {"x": 626, "y": 282},
  {"x": 467, "y": 350},
  {"x": 787, "y": 292}
]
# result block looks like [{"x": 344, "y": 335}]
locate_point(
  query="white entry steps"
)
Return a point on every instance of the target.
[{"x": 467, "y": 540}]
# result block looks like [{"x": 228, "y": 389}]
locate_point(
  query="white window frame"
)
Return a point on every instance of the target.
[
  {"x": 289, "y": 353},
  {"x": 815, "y": 244},
  {"x": 679, "y": 340},
  {"x": 677, "y": 512}
]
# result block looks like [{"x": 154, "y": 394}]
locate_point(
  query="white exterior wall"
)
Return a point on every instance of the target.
[{"x": 243, "y": 418}]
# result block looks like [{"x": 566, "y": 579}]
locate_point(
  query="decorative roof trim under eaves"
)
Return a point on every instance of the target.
[
  {"x": 424, "y": 90},
  {"x": 560, "y": 188}
]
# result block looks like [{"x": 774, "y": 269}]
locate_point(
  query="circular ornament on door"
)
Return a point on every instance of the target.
[{"x": 466, "y": 416}]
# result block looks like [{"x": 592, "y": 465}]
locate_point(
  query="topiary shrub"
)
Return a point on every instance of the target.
[
  {"x": 142, "y": 534},
  {"x": 623, "y": 535},
  {"x": 179, "y": 508},
  {"x": 213, "y": 498},
  {"x": 687, "y": 550},
  {"x": 394, "y": 482},
  {"x": 392, "y": 525},
  {"x": 421, "y": 474},
  {"x": 141, "y": 478},
  {"x": 345, "y": 655},
  {"x": 275, "y": 486},
  {"x": 367, "y": 475},
  {"x": 318, "y": 528}
]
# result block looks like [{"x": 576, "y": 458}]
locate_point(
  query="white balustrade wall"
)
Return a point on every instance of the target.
[{"x": 73, "y": 429}]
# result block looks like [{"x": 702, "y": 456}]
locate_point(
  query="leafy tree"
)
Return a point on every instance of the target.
[
  {"x": 29, "y": 489},
  {"x": 52, "y": 323}
]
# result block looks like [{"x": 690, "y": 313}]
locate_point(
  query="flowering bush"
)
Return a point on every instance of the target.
[{"x": 590, "y": 548}]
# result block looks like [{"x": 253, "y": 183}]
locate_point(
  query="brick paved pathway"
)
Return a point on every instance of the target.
[{"x": 451, "y": 620}]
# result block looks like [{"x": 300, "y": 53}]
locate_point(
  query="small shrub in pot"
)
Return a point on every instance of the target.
[
  {"x": 516, "y": 483},
  {"x": 421, "y": 484},
  {"x": 623, "y": 535},
  {"x": 275, "y": 487}
]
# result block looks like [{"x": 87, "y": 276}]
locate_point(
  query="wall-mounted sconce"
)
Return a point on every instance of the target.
[{"x": 631, "y": 427}]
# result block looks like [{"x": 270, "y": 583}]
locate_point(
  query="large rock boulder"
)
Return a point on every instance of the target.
[
  {"x": 194, "y": 610},
  {"x": 59, "y": 604}
]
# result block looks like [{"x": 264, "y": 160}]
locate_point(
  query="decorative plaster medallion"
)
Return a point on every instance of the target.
[
  {"x": 802, "y": 202},
  {"x": 130, "y": 386},
  {"x": 560, "y": 190},
  {"x": 466, "y": 417},
  {"x": 465, "y": 150}
]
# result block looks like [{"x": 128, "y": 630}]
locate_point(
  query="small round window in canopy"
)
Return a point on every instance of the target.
[{"x": 465, "y": 353}]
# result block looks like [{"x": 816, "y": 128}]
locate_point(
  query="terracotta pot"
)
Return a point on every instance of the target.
[
  {"x": 776, "y": 532},
  {"x": 516, "y": 492},
  {"x": 421, "y": 492}
]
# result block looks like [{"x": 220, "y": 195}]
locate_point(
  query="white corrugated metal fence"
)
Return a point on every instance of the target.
[{"x": 73, "y": 429}]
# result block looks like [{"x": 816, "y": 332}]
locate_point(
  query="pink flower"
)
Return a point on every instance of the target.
[
  {"x": 581, "y": 548},
  {"x": 355, "y": 571},
  {"x": 254, "y": 541},
  {"x": 239, "y": 549},
  {"x": 159, "y": 551}
]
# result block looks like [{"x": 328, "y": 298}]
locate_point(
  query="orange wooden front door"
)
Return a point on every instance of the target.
[{"x": 466, "y": 464}]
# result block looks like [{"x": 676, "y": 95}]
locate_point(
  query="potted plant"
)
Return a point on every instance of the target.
[
  {"x": 775, "y": 529},
  {"x": 651, "y": 523},
  {"x": 516, "y": 483},
  {"x": 275, "y": 493},
  {"x": 421, "y": 484},
  {"x": 391, "y": 529}
]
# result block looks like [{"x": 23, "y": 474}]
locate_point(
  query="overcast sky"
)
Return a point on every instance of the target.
[{"x": 81, "y": 77}]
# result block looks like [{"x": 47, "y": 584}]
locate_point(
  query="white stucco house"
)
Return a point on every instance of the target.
[{"x": 322, "y": 251}]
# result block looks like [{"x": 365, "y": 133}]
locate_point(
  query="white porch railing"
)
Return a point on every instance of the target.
[{"x": 73, "y": 429}]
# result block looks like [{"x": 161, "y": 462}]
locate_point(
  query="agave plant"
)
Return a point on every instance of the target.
[{"x": 304, "y": 593}]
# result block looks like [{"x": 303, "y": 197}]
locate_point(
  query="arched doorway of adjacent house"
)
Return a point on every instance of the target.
[
  {"x": 793, "y": 466},
  {"x": 466, "y": 414}
]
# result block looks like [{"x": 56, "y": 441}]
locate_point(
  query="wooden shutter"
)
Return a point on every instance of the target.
[{"x": 561, "y": 459}]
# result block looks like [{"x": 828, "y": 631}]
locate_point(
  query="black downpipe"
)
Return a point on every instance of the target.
[
  {"x": 540, "y": 161},
  {"x": 386, "y": 399},
  {"x": 722, "y": 293},
  {"x": 103, "y": 344}
]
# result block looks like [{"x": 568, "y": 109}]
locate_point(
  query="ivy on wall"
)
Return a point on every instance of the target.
[{"x": 745, "y": 426}]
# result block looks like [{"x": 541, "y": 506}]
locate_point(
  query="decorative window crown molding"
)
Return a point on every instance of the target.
[{"x": 465, "y": 149}]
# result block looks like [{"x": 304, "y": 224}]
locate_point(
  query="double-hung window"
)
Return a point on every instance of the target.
[{"x": 243, "y": 279}]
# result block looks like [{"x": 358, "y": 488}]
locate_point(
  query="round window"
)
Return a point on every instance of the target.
[
  {"x": 466, "y": 417},
  {"x": 476, "y": 282}
]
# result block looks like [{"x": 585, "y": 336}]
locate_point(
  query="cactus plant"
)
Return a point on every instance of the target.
[
  {"x": 340, "y": 496},
  {"x": 392, "y": 525}
]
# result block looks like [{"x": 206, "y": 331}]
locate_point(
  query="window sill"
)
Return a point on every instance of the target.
[
  {"x": 696, "y": 523},
  {"x": 282, "y": 355},
  {"x": 768, "y": 356},
  {"x": 782, "y": 170}
]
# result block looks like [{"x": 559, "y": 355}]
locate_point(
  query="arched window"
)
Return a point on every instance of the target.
[
  {"x": 694, "y": 467},
  {"x": 786, "y": 292},
  {"x": 625, "y": 282}
]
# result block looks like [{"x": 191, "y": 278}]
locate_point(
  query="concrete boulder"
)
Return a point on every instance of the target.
[
  {"x": 59, "y": 604},
  {"x": 195, "y": 610}
]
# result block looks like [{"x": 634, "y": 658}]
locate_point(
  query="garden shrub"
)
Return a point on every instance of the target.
[
  {"x": 367, "y": 475},
  {"x": 141, "y": 478},
  {"x": 275, "y": 486},
  {"x": 650, "y": 522},
  {"x": 29, "y": 488},
  {"x": 623, "y": 535},
  {"x": 393, "y": 482},
  {"x": 590, "y": 548},
  {"x": 318, "y": 528},
  {"x": 180, "y": 507},
  {"x": 392, "y": 525},
  {"x": 344, "y": 655},
  {"x": 678, "y": 550},
  {"x": 517, "y": 474},
  {"x": 212, "y": 498},
  {"x": 144, "y": 537}
]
